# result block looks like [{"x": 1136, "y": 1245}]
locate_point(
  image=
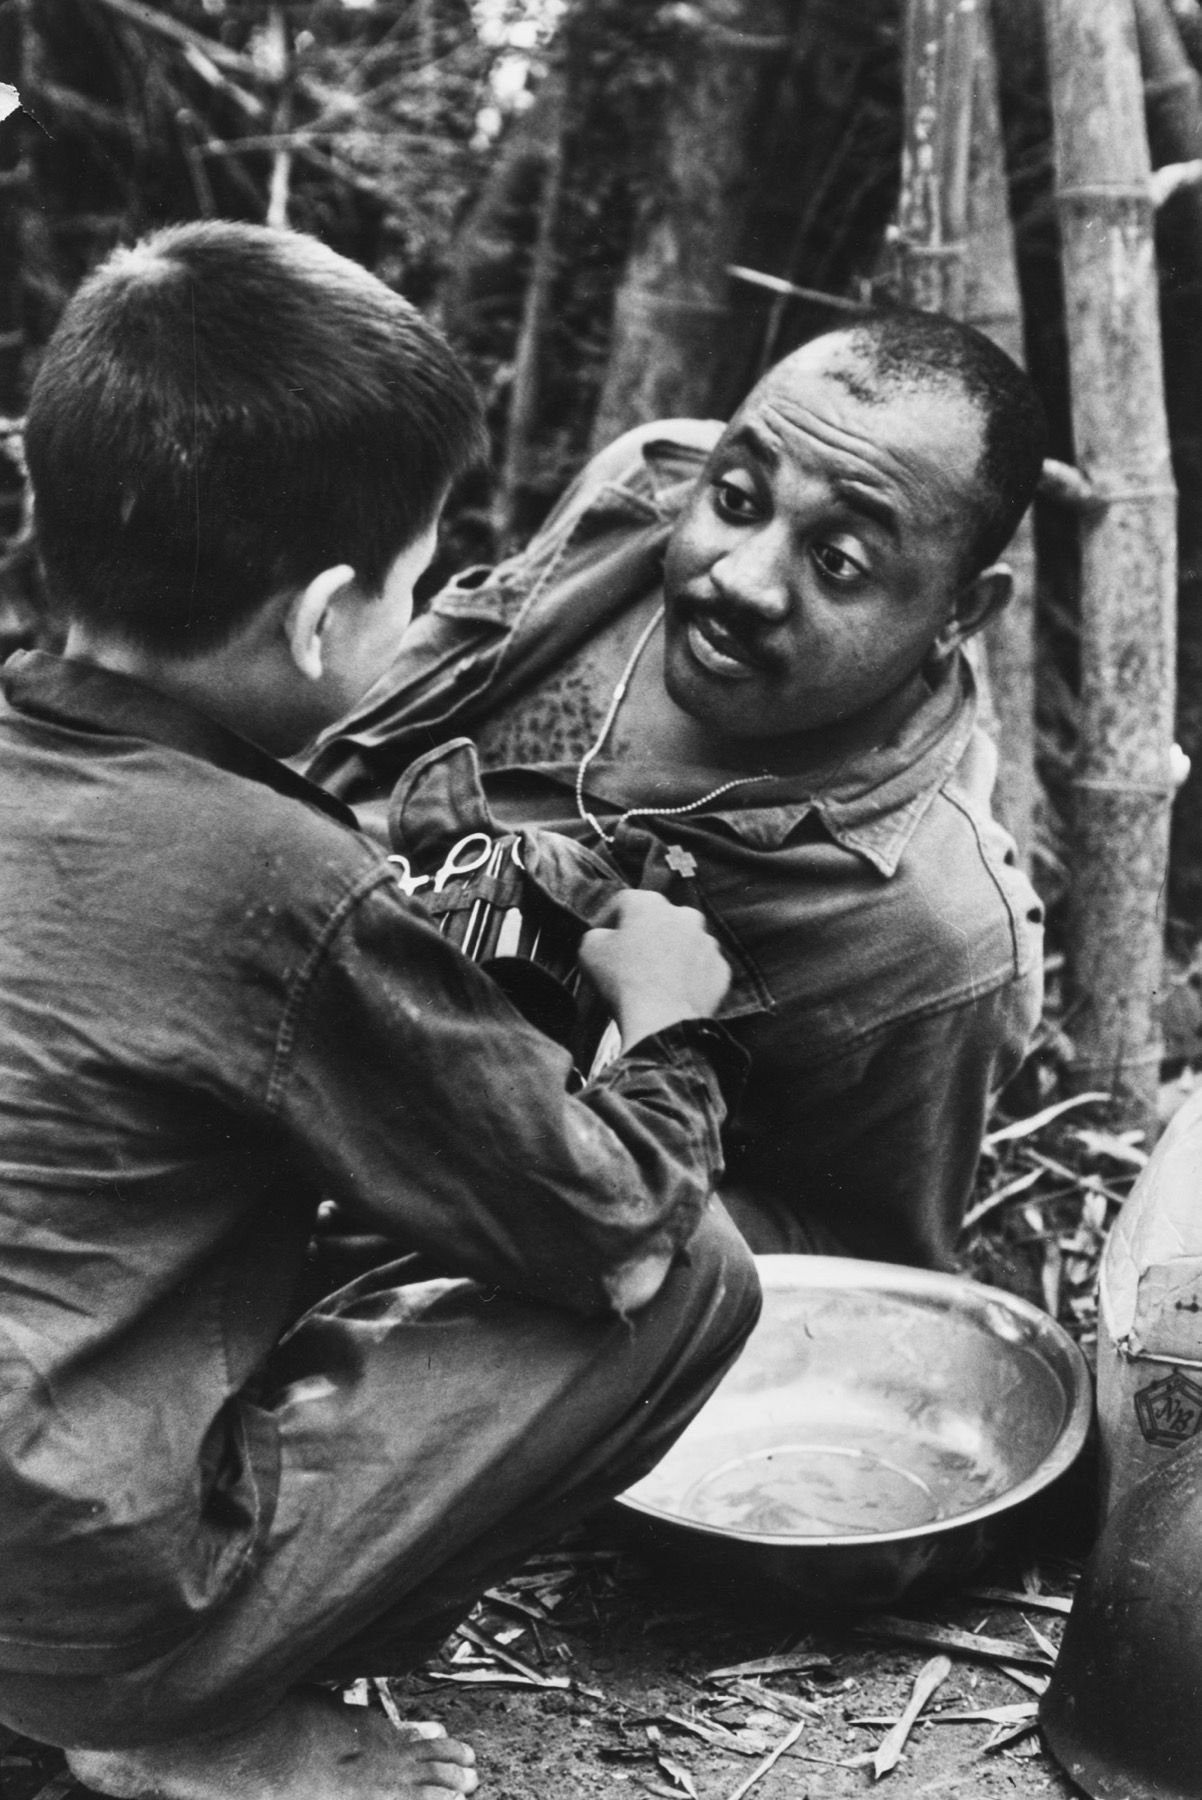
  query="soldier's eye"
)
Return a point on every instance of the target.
[
  {"x": 735, "y": 497},
  {"x": 837, "y": 564}
]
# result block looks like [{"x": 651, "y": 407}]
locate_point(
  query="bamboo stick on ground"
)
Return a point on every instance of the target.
[
  {"x": 773, "y": 1757},
  {"x": 1122, "y": 784},
  {"x": 888, "y": 1752},
  {"x": 951, "y": 1639}
]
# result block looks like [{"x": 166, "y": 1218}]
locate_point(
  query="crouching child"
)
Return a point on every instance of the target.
[{"x": 217, "y": 1007}]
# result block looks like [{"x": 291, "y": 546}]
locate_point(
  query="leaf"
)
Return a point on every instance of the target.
[
  {"x": 506, "y": 1657},
  {"x": 1045, "y": 1643},
  {"x": 1094, "y": 1209},
  {"x": 1170, "y": 178},
  {"x": 1108, "y": 1143},
  {"x": 1021, "y": 1712},
  {"x": 948, "y": 1637},
  {"x": 1009, "y": 1713},
  {"x": 677, "y": 1773},
  {"x": 1019, "y": 1185},
  {"x": 1050, "y": 1274},
  {"x": 710, "y": 1734},
  {"x": 789, "y": 1704},
  {"x": 667, "y": 1765},
  {"x": 10, "y": 100},
  {"x": 1022, "y": 1128},
  {"x": 929, "y": 1678},
  {"x": 1053, "y": 1603},
  {"x": 1002, "y": 1737},
  {"x": 773, "y": 1757},
  {"x": 796, "y": 1662},
  {"x": 495, "y": 1678},
  {"x": 60, "y": 1787},
  {"x": 384, "y": 1695},
  {"x": 1034, "y": 1684}
]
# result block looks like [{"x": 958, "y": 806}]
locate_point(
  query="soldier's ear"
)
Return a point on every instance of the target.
[{"x": 978, "y": 601}]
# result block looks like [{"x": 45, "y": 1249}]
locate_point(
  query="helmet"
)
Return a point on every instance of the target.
[{"x": 1123, "y": 1710}]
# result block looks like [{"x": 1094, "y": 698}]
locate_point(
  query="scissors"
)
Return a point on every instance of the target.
[
  {"x": 469, "y": 853},
  {"x": 407, "y": 881},
  {"x": 463, "y": 857}
]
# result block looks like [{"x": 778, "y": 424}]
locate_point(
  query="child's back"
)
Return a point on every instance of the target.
[
  {"x": 217, "y": 1006},
  {"x": 160, "y": 909}
]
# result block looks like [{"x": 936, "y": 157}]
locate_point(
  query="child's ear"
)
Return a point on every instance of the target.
[
  {"x": 981, "y": 600},
  {"x": 307, "y": 616}
]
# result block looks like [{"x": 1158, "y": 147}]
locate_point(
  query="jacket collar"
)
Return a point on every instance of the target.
[
  {"x": 88, "y": 698},
  {"x": 870, "y": 803}
]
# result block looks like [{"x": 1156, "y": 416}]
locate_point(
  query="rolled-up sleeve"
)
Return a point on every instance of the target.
[{"x": 437, "y": 1115}]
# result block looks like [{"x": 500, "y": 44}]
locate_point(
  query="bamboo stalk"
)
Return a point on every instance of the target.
[
  {"x": 524, "y": 394},
  {"x": 14, "y": 203},
  {"x": 1172, "y": 86},
  {"x": 932, "y": 211},
  {"x": 835, "y": 45},
  {"x": 13, "y": 184},
  {"x": 427, "y": 56},
  {"x": 1173, "y": 99},
  {"x": 992, "y": 302},
  {"x": 1122, "y": 784},
  {"x": 283, "y": 60},
  {"x": 1187, "y": 15},
  {"x": 930, "y": 239},
  {"x": 671, "y": 305}
]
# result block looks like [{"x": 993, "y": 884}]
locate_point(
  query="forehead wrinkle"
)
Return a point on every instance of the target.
[
  {"x": 852, "y": 490},
  {"x": 910, "y": 470},
  {"x": 877, "y": 509},
  {"x": 742, "y": 435},
  {"x": 862, "y": 484},
  {"x": 860, "y": 447}
]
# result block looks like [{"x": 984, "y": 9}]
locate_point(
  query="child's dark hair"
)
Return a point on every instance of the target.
[{"x": 223, "y": 412}]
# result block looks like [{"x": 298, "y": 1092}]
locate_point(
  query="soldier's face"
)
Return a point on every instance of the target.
[{"x": 820, "y": 557}]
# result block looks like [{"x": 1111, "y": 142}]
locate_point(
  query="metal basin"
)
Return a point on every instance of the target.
[{"x": 880, "y": 1423}]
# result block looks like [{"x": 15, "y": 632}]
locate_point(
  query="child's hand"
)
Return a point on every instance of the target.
[{"x": 655, "y": 964}]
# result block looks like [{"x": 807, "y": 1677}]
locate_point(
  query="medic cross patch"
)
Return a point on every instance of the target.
[
  {"x": 682, "y": 861},
  {"x": 1169, "y": 1411}
]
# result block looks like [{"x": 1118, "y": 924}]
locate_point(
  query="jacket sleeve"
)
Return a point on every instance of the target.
[
  {"x": 436, "y": 1115},
  {"x": 878, "y": 1157}
]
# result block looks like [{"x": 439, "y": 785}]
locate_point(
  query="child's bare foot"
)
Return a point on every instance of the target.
[{"x": 309, "y": 1748}]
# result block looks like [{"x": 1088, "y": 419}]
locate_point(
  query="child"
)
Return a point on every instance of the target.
[{"x": 217, "y": 1006}]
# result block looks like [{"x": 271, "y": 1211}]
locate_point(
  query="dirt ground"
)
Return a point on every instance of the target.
[
  {"x": 591, "y": 1672},
  {"x": 635, "y": 1639},
  {"x": 639, "y": 1637}
]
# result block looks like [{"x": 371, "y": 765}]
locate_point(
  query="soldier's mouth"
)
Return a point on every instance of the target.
[{"x": 721, "y": 651}]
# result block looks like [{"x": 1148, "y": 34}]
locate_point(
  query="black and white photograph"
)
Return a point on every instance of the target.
[{"x": 600, "y": 899}]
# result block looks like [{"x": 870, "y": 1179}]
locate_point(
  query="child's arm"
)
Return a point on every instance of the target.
[{"x": 434, "y": 1112}]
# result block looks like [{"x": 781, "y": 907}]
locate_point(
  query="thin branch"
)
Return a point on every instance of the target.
[{"x": 151, "y": 20}]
